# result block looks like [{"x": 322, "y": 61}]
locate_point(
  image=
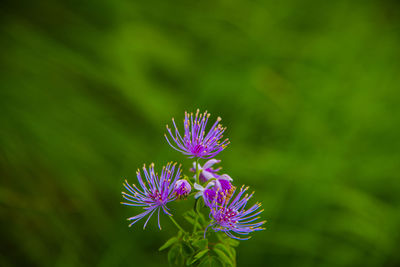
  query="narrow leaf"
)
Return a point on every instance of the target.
[
  {"x": 199, "y": 255},
  {"x": 226, "y": 249},
  {"x": 173, "y": 254},
  {"x": 169, "y": 243},
  {"x": 223, "y": 256},
  {"x": 201, "y": 244},
  {"x": 233, "y": 242},
  {"x": 187, "y": 249}
]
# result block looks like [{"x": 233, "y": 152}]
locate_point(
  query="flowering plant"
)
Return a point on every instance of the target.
[{"x": 212, "y": 240}]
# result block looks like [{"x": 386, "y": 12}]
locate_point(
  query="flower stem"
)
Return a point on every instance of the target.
[
  {"x": 188, "y": 179},
  {"x": 177, "y": 224},
  {"x": 196, "y": 203},
  {"x": 197, "y": 171},
  {"x": 197, "y": 215}
]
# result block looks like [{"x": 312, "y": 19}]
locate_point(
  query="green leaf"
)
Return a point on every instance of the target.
[
  {"x": 223, "y": 257},
  {"x": 187, "y": 249},
  {"x": 233, "y": 242},
  {"x": 221, "y": 237},
  {"x": 189, "y": 261},
  {"x": 173, "y": 254},
  {"x": 190, "y": 216},
  {"x": 180, "y": 234},
  {"x": 202, "y": 220},
  {"x": 190, "y": 213},
  {"x": 233, "y": 251},
  {"x": 229, "y": 251},
  {"x": 169, "y": 243},
  {"x": 226, "y": 249},
  {"x": 200, "y": 244},
  {"x": 199, "y": 255},
  {"x": 200, "y": 234},
  {"x": 189, "y": 219}
]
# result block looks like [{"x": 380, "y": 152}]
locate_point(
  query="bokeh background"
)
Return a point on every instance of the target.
[{"x": 309, "y": 91}]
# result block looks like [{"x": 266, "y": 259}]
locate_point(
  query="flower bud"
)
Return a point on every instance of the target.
[{"x": 182, "y": 188}]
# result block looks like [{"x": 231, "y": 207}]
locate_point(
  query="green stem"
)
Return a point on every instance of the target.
[
  {"x": 196, "y": 203},
  {"x": 197, "y": 171},
  {"x": 176, "y": 224},
  {"x": 188, "y": 179},
  {"x": 197, "y": 215}
]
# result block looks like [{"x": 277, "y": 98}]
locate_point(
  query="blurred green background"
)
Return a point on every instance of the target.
[{"x": 309, "y": 91}]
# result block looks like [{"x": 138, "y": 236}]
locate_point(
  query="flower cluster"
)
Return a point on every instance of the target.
[{"x": 226, "y": 205}]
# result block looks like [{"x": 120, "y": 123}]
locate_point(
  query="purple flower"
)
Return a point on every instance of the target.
[
  {"x": 154, "y": 194},
  {"x": 207, "y": 171},
  {"x": 182, "y": 188},
  {"x": 223, "y": 182},
  {"x": 208, "y": 193},
  {"x": 232, "y": 217},
  {"x": 195, "y": 141}
]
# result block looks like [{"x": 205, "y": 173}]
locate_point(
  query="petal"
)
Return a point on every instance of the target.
[
  {"x": 225, "y": 177},
  {"x": 194, "y": 166},
  {"x": 212, "y": 183},
  {"x": 207, "y": 175},
  {"x": 225, "y": 185},
  {"x": 210, "y": 163},
  {"x": 198, "y": 187}
]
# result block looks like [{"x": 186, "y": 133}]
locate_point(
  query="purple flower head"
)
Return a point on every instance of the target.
[
  {"x": 224, "y": 184},
  {"x": 210, "y": 193},
  {"x": 195, "y": 141},
  {"x": 207, "y": 171},
  {"x": 182, "y": 188},
  {"x": 154, "y": 192},
  {"x": 232, "y": 217}
]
